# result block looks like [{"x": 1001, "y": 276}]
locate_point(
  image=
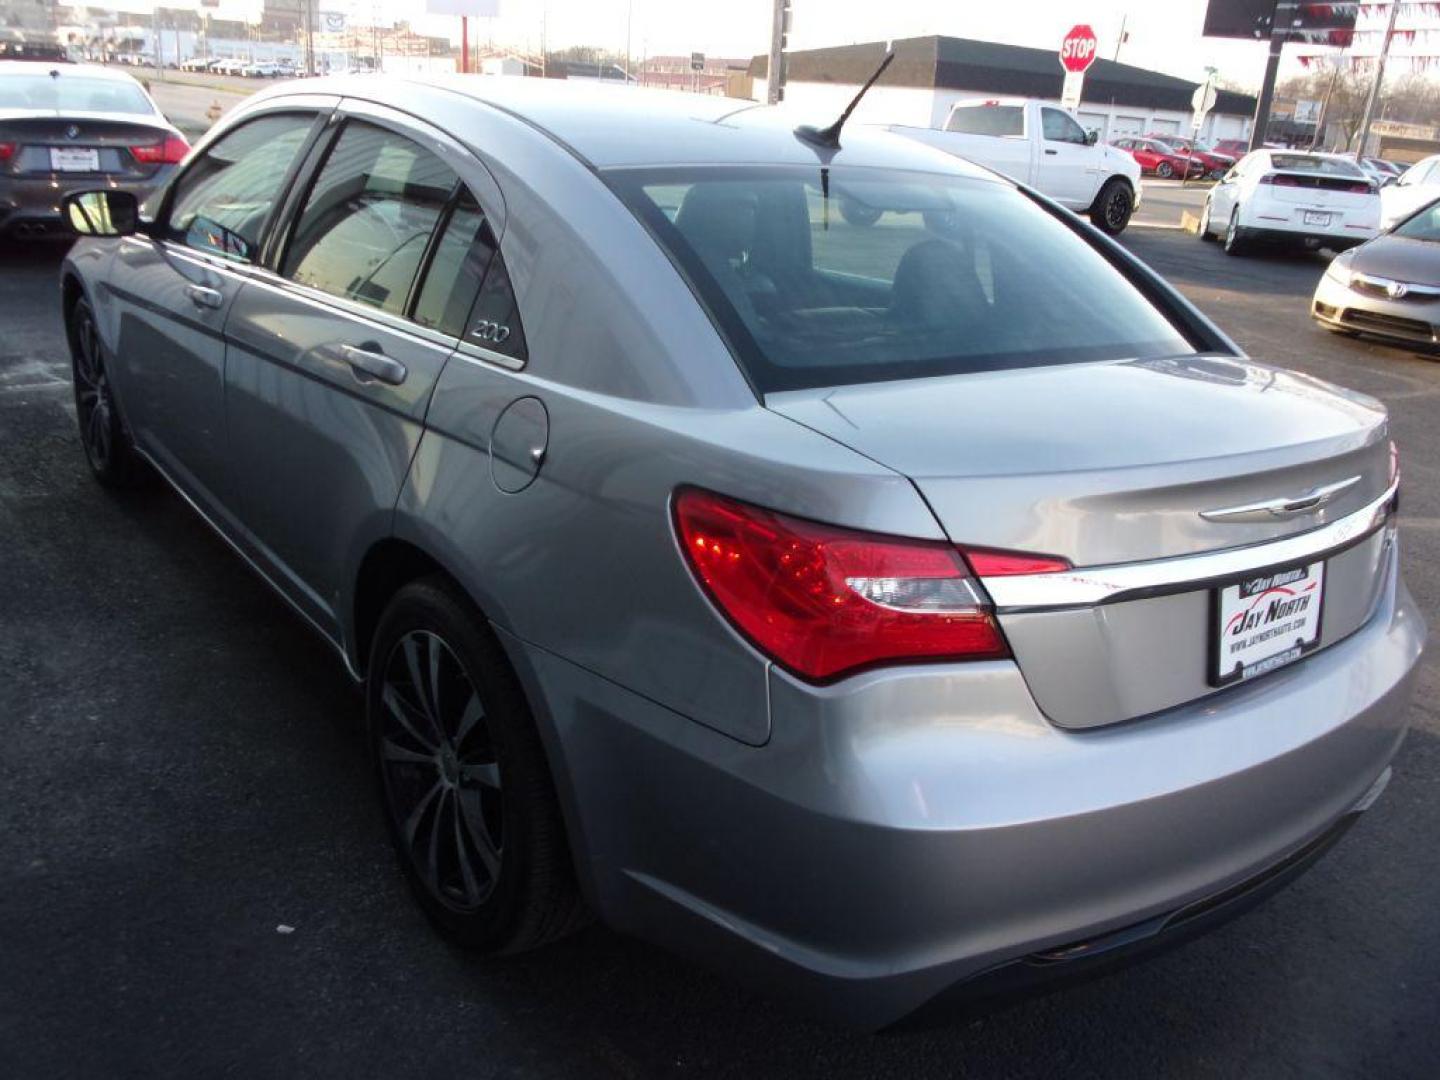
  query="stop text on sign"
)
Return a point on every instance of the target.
[{"x": 1077, "y": 51}]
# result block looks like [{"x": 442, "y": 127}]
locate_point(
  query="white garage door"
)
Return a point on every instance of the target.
[
  {"x": 1094, "y": 122},
  {"x": 1127, "y": 125},
  {"x": 1165, "y": 127}
]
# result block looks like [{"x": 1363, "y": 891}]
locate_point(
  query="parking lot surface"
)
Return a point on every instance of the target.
[{"x": 195, "y": 880}]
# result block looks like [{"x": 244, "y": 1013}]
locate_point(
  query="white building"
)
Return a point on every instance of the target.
[{"x": 930, "y": 74}]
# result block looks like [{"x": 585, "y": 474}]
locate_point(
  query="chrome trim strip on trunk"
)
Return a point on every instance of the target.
[{"x": 1088, "y": 586}]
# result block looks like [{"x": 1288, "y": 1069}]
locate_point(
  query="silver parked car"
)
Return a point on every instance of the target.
[
  {"x": 69, "y": 127},
  {"x": 1388, "y": 287},
  {"x": 880, "y": 612}
]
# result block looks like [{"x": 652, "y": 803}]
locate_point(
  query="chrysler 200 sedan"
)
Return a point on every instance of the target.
[{"x": 885, "y": 614}]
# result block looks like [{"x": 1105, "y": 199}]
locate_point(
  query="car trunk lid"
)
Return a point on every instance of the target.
[{"x": 1118, "y": 464}]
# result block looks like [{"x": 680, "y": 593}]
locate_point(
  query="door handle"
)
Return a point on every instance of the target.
[
  {"x": 374, "y": 364},
  {"x": 1052, "y": 152},
  {"x": 204, "y": 296}
]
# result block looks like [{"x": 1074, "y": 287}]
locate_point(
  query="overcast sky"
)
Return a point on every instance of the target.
[{"x": 1163, "y": 34}]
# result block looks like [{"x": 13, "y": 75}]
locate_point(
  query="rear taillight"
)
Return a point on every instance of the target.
[
  {"x": 7, "y": 151},
  {"x": 1279, "y": 180},
  {"x": 170, "y": 152},
  {"x": 1366, "y": 188},
  {"x": 823, "y": 601}
]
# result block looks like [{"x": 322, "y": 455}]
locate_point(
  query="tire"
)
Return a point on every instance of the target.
[
  {"x": 1205, "y": 233},
  {"x": 1112, "y": 208},
  {"x": 463, "y": 777},
  {"x": 1236, "y": 242},
  {"x": 1165, "y": 170},
  {"x": 108, "y": 450},
  {"x": 857, "y": 213}
]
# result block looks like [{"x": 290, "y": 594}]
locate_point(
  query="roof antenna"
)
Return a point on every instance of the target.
[{"x": 830, "y": 137}]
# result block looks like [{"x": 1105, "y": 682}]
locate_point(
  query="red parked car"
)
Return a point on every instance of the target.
[
  {"x": 1215, "y": 162},
  {"x": 1236, "y": 148},
  {"x": 1155, "y": 157}
]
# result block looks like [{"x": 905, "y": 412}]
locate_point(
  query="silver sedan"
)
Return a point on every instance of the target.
[
  {"x": 882, "y": 612},
  {"x": 1388, "y": 287}
]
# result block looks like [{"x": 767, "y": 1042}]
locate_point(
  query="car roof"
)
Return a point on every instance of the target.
[
  {"x": 65, "y": 70},
  {"x": 613, "y": 126}
]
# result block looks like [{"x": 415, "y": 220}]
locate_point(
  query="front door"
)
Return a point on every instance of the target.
[
  {"x": 335, "y": 348},
  {"x": 1069, "y": 169},
  {"x": 174, "y": 290}
]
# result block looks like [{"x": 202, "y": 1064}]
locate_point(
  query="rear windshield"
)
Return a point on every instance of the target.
[
  {"x": 68, "y": 93},
  {"x": 838, "y": 276},
  {"x": 988, "y": 120},
  {"x": 1324, "y": 165}
]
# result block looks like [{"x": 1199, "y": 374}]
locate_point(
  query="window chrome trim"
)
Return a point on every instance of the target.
[
  {"x": 470, "y": 351},
  {"x": 1089, "y": 586}
]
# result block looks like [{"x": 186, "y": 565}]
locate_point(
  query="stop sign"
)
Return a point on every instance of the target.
[{"x": 1077, "y": 51}]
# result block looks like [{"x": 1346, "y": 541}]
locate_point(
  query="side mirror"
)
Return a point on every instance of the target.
[
  {"x": 1092, "y": 137},
  {"x": 103, "y": 213}
]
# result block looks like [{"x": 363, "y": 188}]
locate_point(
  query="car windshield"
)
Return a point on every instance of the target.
[
  {"x": 72, "y": 93},
  {"x": 1314, "y": 163},
  {"x": 823, "y": 277},
  {"x": 1423, "y": 226}
]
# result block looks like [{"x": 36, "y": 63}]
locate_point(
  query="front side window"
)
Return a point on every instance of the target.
[
  {"x": 1423, "y": 226},
  {"x": 368, "y": 217},
  {"x": 221, "y": 202},
  {"x": 1061, "y": 127},
  {"x": 995, "y": 120},
  {"x": 944, "y": 275}
]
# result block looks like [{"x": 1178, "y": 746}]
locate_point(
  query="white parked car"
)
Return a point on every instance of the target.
[
  {"x": 1294, "y": 197},
  {"x": 1040, "y": 144},
  {"x": 1416, "y": 186}
]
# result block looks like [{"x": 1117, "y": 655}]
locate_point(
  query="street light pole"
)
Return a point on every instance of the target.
[
  {"x": 775, "y": 70},
  {"x": 1379, "y": 78}
]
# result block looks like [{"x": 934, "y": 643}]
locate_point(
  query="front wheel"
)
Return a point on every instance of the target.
[
  {"x": 113, "y": 461},
  {"x": 1113, "y": 207},
  {"x": 464, "y": 779},
  {"x": 1165, "y": 170}
]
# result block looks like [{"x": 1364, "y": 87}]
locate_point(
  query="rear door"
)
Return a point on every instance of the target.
[
  {"x": 335, "y": 347},
  {"x": 173, "y": 291},
  {"x": 1069, "y": 168}
]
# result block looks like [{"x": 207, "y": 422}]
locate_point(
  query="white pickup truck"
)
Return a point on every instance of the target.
[{"x": 1040, "y": 144}]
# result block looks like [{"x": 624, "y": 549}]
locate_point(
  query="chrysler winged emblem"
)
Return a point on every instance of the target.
[
  {"x": 73, "y": 131},
  {"x": 1283, "y": 507}
]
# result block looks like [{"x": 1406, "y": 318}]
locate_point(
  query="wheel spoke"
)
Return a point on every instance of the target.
[
  {"x": 433, "y": 650},
  {"x": 412, "y": 823},
  {"x": 418, "y": 681},
  {"x": 432, "y": 856},
  {"x": 393, "y": 751},
  {"x": 462, "y": 855},
  {"x": 475, "y": 827},
  {"x": 473, "y": 714},
  {"x": 484, "y": 773},
  {"x": 400, "y": 711}
]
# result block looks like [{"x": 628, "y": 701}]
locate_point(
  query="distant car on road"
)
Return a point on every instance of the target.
[
  {"x": 1381, "y": 171},
  {"x": 1390, "y": 286},
  {"x": 1294, "y": 197},
  {"x": 1416, "y": 186},
  {"x": 70, "y": 126},
  {"x": 1236, "y": 148},
  {"x": 1155, "y": 157},
  {"x": 1040, "y": 144}
]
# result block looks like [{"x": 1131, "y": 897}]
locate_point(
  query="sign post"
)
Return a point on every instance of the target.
[
  {"x": 1202, "y": 101},
  {"x": 1077, "y": 53}
]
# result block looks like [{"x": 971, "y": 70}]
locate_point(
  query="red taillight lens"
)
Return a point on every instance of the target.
[
  {"x": 1279, "y": 180},
  {"x": 987, "y": 563},
  {"x": 170, "y": 152},
  {"x": 824, "y": 601},
  {"x": 1366, "y": 188},
  {"x": 7, "y": 151}
]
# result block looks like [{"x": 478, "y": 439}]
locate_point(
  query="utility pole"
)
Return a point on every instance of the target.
[
  {"x": 1325, "y": 108},
  {"x": 1279, "y": 29},
  {"x": 1120, "y": 40},
  {"x": 775, "y": 71},
  {"x": 1379, "y": 78}
]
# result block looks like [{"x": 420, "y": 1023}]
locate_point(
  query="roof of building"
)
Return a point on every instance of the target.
[{"x": 989, "y": 67}]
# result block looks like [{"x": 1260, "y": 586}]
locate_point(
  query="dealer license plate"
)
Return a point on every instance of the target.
[
  {"x": 1266, "y": 621},
  {"x": 1314, "y": 217},
  {"x": 73, "y": 159}
]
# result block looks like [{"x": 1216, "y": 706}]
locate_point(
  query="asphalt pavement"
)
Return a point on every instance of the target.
[{"x": 195, "y": 880}]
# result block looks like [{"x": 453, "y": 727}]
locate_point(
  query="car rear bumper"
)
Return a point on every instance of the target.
[
  {"x": 1412, "y": 321},
  {"x": 925, "y": 831},
  {"x": 32, "y": 205},
  {"x": 1265, "y": 228}
]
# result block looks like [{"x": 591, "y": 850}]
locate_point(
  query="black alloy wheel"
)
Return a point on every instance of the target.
[{"x": 107, "y": 447}]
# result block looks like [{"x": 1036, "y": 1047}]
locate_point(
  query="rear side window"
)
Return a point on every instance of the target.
[
  {"x": 368, "y": 218},
  {"x": 221, "y": 202},
  {"x": 823, "y": 277},
  {"x": 996, "y": 120}
]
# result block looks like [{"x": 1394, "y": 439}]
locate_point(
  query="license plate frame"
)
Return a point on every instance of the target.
[
  {"x": 1319, "y": 218},
  {"x": 1271, "y": 631},
  {"x": 74, "y": 159}
]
